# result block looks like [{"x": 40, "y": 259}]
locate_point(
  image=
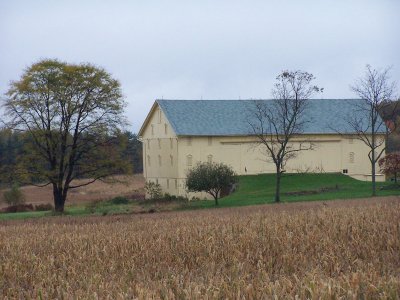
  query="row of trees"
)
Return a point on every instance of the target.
[{"x": 15, "y": 146}]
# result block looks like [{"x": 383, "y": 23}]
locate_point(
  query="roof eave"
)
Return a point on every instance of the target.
[{"x": 146, "y": 121}]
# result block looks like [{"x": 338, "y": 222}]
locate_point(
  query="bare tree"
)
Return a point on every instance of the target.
[
  {"x": 376, "y": 92},
  {"x": 275, "y": 122}
]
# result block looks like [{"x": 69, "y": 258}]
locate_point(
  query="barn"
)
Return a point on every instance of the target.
[{"x": 177, "y": 134}]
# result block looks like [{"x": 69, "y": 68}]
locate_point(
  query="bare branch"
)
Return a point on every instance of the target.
[
  {"x": 376, "y": 93},
  {"x": 275, "y": 122}
]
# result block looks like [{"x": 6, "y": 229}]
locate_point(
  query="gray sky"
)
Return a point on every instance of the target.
[{"x": 221, "y": 49}]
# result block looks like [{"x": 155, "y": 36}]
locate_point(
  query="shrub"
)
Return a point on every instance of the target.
[
  {"x": 104, "y": 205},
  {"x": 169, "y": 197},
  {"x": 18, "y": 208},
  {"x": 119, "y": 200},
  {"x": 92, "y": 206},
  {"x": 14, "y": 196},
  {"x": 153, "y": 190},
  {"x": 390, "y": 164},
  {"x": 182, "y": 199},
  {"x": 43, "y": 207}
]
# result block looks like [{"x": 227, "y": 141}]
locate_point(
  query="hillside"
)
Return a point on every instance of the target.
[{"x": 260, "y": 189}]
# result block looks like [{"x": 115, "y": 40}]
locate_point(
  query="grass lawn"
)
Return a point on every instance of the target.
[
  {"x": 101, "y": 208},
  {"x": 260, "y": 189}
]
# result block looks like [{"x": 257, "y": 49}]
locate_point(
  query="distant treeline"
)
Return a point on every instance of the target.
[{"x": 14, "y": 146}]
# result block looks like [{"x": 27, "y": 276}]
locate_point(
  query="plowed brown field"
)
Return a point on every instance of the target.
[{"x": 126, "y": 186}]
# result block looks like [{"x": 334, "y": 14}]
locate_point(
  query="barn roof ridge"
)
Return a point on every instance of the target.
[{"x": 230, "y": 117}]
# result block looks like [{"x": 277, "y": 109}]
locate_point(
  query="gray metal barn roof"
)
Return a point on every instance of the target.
[{"x": 230, "y": 117}]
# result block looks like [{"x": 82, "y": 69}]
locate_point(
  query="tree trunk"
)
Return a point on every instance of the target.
[
  {"x": 278, "y": 185},
  {"x": 59, "y": 199},
  {"x": 373, "y": 179},
  {"x": 373, "y": 161},
  {"x": 216, "y": 200}
]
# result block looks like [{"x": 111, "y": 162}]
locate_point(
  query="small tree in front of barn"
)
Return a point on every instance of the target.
[
  {"x": 153, "y": 189},
  {"x": 390, "y": 164},
  {"x": 211, "y": 178}
]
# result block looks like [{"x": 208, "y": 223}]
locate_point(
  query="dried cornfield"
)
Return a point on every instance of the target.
[{"x": 348, "y": 249}]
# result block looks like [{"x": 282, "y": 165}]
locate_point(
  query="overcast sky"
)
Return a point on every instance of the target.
[{"x": 220, "y": 49}]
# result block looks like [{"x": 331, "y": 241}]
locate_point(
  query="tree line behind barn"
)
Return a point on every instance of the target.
[{"x": 14, "y": 144}]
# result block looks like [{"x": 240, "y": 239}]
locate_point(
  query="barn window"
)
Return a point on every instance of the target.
[
  {"x": 159, "y": 116},
  {"x": 167, "y": 183},
  {"x": 189, "y": 141},
  {"x": 171, "y": 159},
  {"x": 159, "y": 143},
  {"x": 165, "y": 128},
  {"x": 176, "y": 183},
  {"x": 171, "y": 143},
  {"x": 159, "y": 160},
  {"x": 148, "y": 144},
  {"x": 152, "y": 129},
  {"x": 148, "y": 160},
  {"x": 156, "y": 180},
  {"x": 189, "y": 160},
  {"x": 351, "y": 157},
  {"x": 209, "y": 140},
  {"x": 209, "y": 158}
]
